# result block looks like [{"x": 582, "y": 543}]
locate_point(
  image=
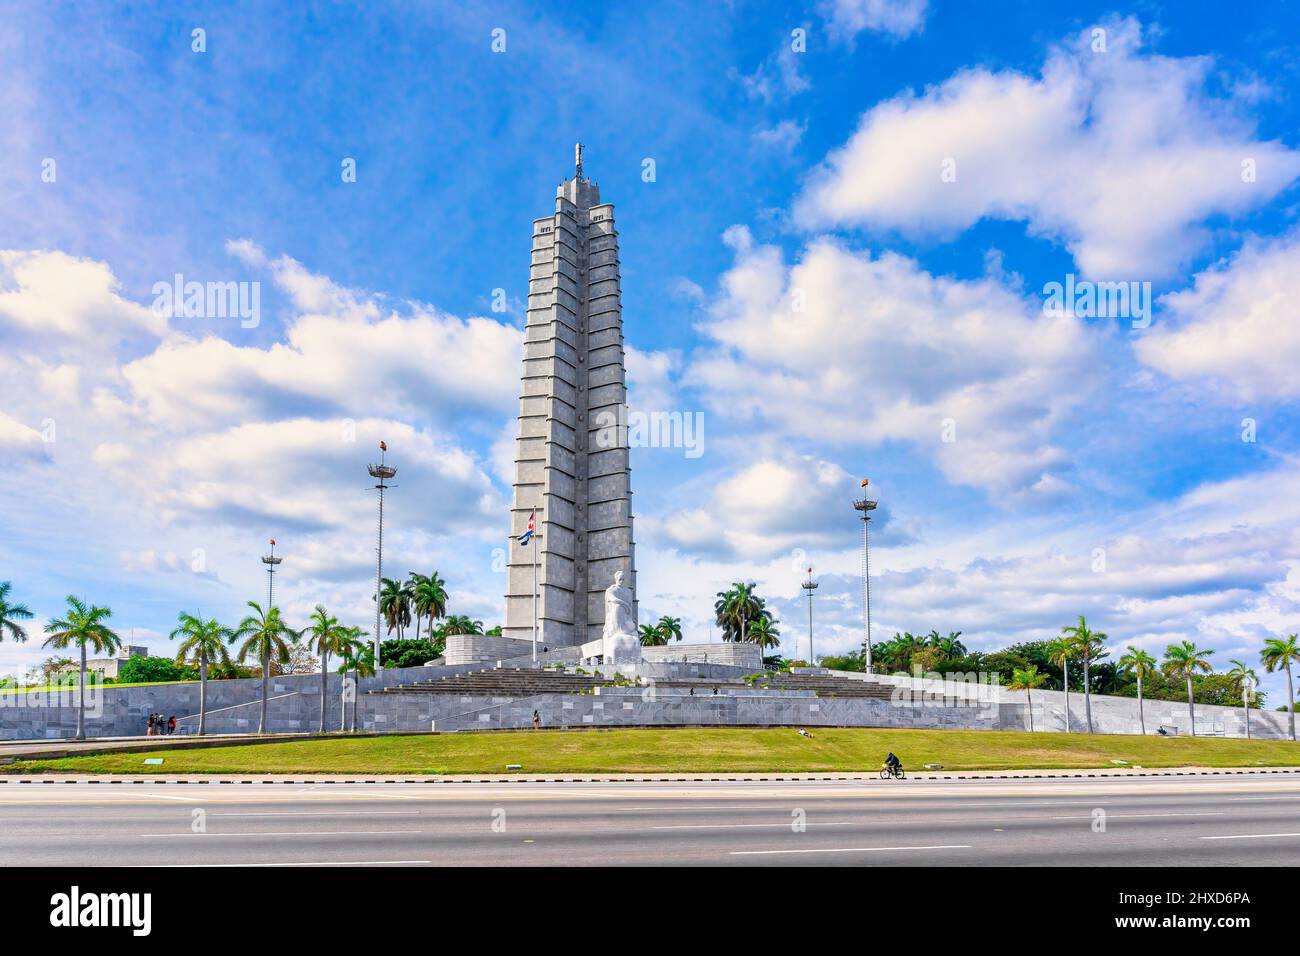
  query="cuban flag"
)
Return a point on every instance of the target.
[{"x": 532, "y": 528}]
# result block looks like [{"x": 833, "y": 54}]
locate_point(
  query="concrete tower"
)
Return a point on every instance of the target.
[{"x": 571, "y": 457}]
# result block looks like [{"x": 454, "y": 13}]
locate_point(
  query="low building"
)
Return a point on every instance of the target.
[{"x": 108, "y": 666}]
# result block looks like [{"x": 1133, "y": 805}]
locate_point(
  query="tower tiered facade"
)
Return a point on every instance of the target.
[{"x": 571, "y": 456}]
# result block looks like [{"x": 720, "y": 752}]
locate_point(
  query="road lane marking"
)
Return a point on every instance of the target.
[
  {"x": 854, "y": 849},
  {"x": 1130, "y": 816},
  {"x": 746, "y": 826},
  {"x": 285, "y": 833},
  {"x": 1251, "y": 836},
  {"x": 183, "y": 866},
  {"x": 315, "y": 813}
]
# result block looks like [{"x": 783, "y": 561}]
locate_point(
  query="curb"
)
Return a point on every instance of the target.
[{"x": 972, "y": 775}]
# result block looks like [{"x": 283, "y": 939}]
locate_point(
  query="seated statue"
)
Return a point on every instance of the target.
[{"x": 621, "y": 644}]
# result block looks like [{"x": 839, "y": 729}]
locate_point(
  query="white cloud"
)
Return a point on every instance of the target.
[
  {"x": 1236, "y": 327},
  {"x": 1120, "y": 155},
  {"x": 899, "y": 18},
  {"x": 784, "y": 136},
  {"x": 849, "y": 349},
  {"x": 18, "y": 440},
  {"x": 64, "y": 301},
  {"x": 764, "y": 509}
]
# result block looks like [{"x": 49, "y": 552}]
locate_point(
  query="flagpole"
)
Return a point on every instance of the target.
[{"x": 534, "y": 544}]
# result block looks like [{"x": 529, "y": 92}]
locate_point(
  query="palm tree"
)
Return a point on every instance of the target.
[
  {"x": 460, "y": 624},
  {"x": 428, "y": 598},
  {"x": 671, "y": 628},
  {"x": 1060, "y": 652},
  {"x": 395, "y": 605},
  {"x": 1141, "y": 665},
  {"x": 358, "y": 658},
  {"x": 11, "y": 614},
  {"x": 328, "y": 637},
  {"x": 1027, "y": 679},
  {"x": 202, "y": 641},
  {"x": 1088, "y": 646},
  {"x": 1245, "y": 680},
  {"x": 1184, "y": 660},
  {"x": 651, "y": 636},
  {"x": 83, "y": 625},
  {"x": 264, "y": 634},
  {"x": 763, "y": 631},
  {"x": 735, "y": 609},
  {"x": 1280, "y": 652}
]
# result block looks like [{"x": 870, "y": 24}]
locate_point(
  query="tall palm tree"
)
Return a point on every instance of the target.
[
  {"x": 1280, "y": 652},
  {"x": 428, "y": 598},
  {"x": 764, "y": 632},
  {"x": 84, "y": 624},
  {"x": 328, "y": 637},
  {"x": 1061, "y": 652},
  {"x": 736, "y": 608},
  {"x": 202, "y": 641},
  {"x": 358, "y": 659},
  {"x": 11, "y": 614},
  {"x": 651, "y": 636},
  {"x": 1245, "y": 680},
  {"x": 264, "y": 633},
  {"x": 460, "y": 624},
  {"x": 395, "y": 605},
  {"x": 670, "y": 627},
  {"x": 1141, "y": 665},
  {"x": 1088, "y": 646},
  {"x": 1184, "y": 660},
  {"x": 1027, "y": 679}
]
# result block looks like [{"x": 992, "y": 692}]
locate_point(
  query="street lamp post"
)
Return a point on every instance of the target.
[
  {"x": 271, "y": 562},
  {"x": 383, "y": 472},
  {"x": 809, "y": 586},
  {"x": 864, "y": 506}
]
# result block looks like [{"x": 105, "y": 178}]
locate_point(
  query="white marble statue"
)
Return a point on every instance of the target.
[{"x": 621, "y": 644}]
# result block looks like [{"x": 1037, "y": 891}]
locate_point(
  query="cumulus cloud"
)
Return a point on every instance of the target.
[
  {"x": 898, "y": 18},
  {"x": 850, "y": 349},
  {"x": 1236, "y": 327},
  {"x": 425, "y": 363},
  {"x": 770, "y": 507},
  {"x": 67, "y": 302},
  {"x": 1120, "y": 155}
]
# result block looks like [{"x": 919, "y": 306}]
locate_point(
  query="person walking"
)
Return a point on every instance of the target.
[
  {"x": 537, "y": 720},
  {"x": 171, "y": 725},
  {"x": 149, "y": 729}
]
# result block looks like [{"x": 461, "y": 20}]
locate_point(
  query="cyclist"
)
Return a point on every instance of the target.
[{"x": 893, "y": 764}]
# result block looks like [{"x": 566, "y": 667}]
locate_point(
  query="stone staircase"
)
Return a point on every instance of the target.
[
  {"x": 827, "y": 686},
  {"x": 502, "y": 682}
]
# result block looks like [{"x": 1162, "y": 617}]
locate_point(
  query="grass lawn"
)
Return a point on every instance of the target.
[{"x": 687, "y": 751}]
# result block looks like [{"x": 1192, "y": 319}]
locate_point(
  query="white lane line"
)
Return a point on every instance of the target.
[
  {"x": 318, "y": 813},
  {"x": 1251, "y": 836},
  {"x": 169, "y": 796},
  {"x": 184, "y": 866},
  {"x": 284, "y": 833},
  {"x": 746, "y": 826},
  {"x": 747, "y": 806},
  {"x": 1130, "y": 816},
  {"x": 854, "y": 849}
]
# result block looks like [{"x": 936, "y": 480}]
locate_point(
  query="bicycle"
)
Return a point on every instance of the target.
[{"x": 887, "y": 772}]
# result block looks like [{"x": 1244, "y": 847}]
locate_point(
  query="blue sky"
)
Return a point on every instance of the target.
[{"x": 1097, "y": 467}]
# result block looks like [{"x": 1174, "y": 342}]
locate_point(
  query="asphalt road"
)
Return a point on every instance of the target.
[{"x": 1158, "y": 821}]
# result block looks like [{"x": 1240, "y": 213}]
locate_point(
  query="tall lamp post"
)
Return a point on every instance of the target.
[
  {"x": 809, "y": 586},
  {"x": 864, "y": 506},
  {"x": 383, "y": 472},
  {"x": 271, "y": 562}
]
